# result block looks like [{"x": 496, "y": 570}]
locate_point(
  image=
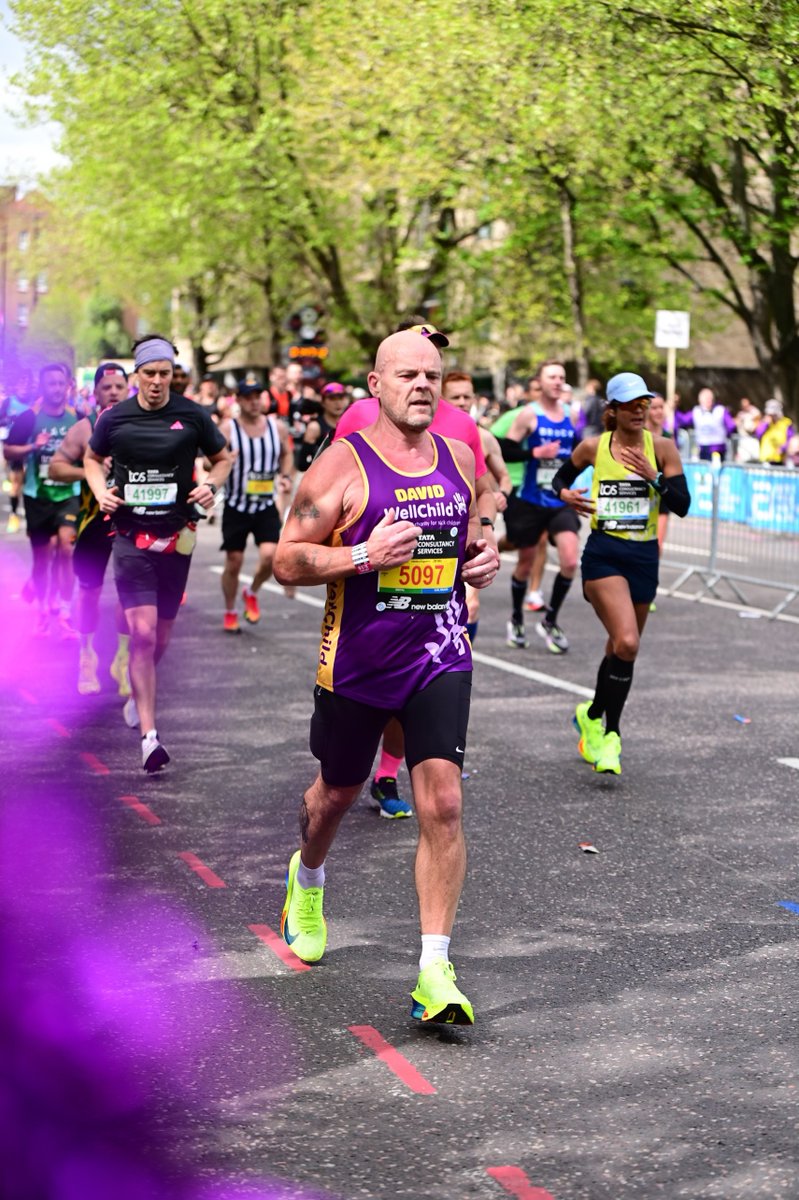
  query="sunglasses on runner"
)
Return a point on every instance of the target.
[
  {"x": 639, "y": 405},
  {"x": 429, "y": 331}
]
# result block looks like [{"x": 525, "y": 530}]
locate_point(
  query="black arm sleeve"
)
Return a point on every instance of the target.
[
  {"x": 513, "y": 452},
  {"x": 565, "y": 477},
  {"x": 307, "y": 452},
  {"x": 304, "y": 455},
  {"x": 674, "y": 495}
]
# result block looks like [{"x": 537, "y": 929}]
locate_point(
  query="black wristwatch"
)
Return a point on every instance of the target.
[
  {"x": 658, "y": 481},
  {"x": 213, "y": 487},
  {"x": 487, "y": 521}
]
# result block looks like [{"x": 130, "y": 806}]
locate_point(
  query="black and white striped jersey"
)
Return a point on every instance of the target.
[{"x": 251, "y": 484}]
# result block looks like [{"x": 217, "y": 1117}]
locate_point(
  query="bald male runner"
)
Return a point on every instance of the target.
[{"x": 387, "y": 519}]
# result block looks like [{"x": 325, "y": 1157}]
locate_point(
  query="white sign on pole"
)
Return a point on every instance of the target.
[{"x": 672, "y": 330}]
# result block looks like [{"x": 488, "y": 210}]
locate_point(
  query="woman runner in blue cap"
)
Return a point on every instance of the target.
[{"x": 636, "y": 474}]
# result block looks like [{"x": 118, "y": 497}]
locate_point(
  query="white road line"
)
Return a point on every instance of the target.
[
  {"x": 677, "y": 548},
  {"x": 789, "y": 762},
  {"x": 552, "y": 681},
  {"x": 499, "y": 663},
  {"x": 276, "y": 589},
  {"x": 712, "y": 601},
  {"x": 732, "y": 605}
]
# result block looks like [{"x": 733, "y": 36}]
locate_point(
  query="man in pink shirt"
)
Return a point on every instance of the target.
[{"x": 449, "y": 422}]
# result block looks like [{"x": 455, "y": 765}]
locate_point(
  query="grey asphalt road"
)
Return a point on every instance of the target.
[{"x": 636, "y": 1025}]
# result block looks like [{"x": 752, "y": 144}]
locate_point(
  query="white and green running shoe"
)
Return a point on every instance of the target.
[
  {"x": 302, "y": 923},
  {"x": 437, "y": 999},
  {"x": 608, "y": 760},
  {"x": 591, "y": 731}
]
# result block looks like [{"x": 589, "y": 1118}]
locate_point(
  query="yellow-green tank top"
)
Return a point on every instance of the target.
[{"x": 626, "y": 506}]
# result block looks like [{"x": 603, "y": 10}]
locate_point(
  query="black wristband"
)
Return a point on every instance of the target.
[
  {"x": 212, "y": 486},
  {"x": 487, "y": 521}
]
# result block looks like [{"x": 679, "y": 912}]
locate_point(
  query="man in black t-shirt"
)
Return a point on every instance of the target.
[{"x": 153, "y": 439}]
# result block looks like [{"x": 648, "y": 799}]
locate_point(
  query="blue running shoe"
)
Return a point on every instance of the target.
[{"x": 386, "y": 800}]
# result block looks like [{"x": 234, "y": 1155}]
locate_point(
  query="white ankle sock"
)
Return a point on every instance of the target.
[
  {"x": 310, "y": 877},
  {"x": 434, "y": 945}
]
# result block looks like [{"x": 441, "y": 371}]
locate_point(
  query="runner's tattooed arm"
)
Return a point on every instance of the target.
[{"x": 330, "y": 495}]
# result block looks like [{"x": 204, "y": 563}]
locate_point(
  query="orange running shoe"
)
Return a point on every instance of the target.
[
  {"x": 252, "y": 609},
  {"x": 230, "y": 624}
]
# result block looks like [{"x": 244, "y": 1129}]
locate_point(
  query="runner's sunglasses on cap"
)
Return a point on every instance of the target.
[{"x": 435, "y": 335}]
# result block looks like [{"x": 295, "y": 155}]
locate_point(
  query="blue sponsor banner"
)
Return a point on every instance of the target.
[{"x": 761, "y": 498}]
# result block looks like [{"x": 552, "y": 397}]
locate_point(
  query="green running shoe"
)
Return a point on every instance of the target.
[
  {"x": 436, "y": 998},
  {"x": 609, "y": 755},
  {"x": 302, "y": 924},
  {"x": 591, "y": 731}
]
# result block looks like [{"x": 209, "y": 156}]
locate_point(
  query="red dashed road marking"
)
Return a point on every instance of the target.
[
  {"x": 516, "y": 1183},
  {"x": 94, "y": 764},
  {"x": 395, "y": 1061},
  {"x": 205, "y": 873},
  {"x": 276, "y": 943},
  {"x": 144, "y": 812},
  {"x": 60, "y": 729}
]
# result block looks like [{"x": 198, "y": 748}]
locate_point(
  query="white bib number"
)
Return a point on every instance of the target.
[
  {"x": 623, "y": 505},
  {"x": 151, "y": 494},
  {"x": 547, "y": 470}
]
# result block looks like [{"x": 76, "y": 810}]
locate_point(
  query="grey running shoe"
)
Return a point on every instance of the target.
[
  {"x": 516, "y": 635},
  {"x": 553, "y": 635}
]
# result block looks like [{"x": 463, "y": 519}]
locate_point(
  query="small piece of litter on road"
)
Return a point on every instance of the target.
[
  {"x": 753, "y": 616},
  {"x": 464, "y": 774},
  {"x": 742, "y": 720},
  {"x": 195, "y": 945},
  {"x": 588, "y": 848}
]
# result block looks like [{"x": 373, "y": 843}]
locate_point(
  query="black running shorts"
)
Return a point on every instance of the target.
[
  {"x": 92, "y": 552},
  {"x": 264, "y": 526},
  {"x": 526, "y": 522},
  {"x": 44, "y": 518},
  {"x": 144, "y": 577},
  {"x": 637, "y": 562},
  {"x": 345, "y": 734}
]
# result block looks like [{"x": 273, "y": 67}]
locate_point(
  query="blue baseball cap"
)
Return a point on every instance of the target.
[{"x": 623, "y": 388}]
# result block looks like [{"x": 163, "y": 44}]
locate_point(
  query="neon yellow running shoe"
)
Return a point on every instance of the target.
[
  {"x": 591, "y": 731},
  {"x": 302, "y": 923},
  {"x": 437, "y": 999},
  {"x": 88, "y": 683},
  {"x": 119, "y": 672},
  {"x": 608, "y": 760}
]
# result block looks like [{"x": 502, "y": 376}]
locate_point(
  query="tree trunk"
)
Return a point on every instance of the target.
[{"x": 573, "y": 273}]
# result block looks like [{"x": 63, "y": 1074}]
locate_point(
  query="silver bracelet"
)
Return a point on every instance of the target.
[{"x": 360, "y": 558}]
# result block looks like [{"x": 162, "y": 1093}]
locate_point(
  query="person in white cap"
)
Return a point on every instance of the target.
[{"x": 635, "y": 473}]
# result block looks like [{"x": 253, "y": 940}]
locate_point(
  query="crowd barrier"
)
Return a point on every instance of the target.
[{"x": 742, "y": 531}]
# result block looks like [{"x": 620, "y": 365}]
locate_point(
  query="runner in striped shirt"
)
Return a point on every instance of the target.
[{"x": 262, "y": 467}]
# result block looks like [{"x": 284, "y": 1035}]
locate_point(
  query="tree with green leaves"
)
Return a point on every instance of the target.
[{"x": 254, "y": 156}]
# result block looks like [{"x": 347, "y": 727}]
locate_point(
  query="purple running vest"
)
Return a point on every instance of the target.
[{"x": 388, "y": 634}]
